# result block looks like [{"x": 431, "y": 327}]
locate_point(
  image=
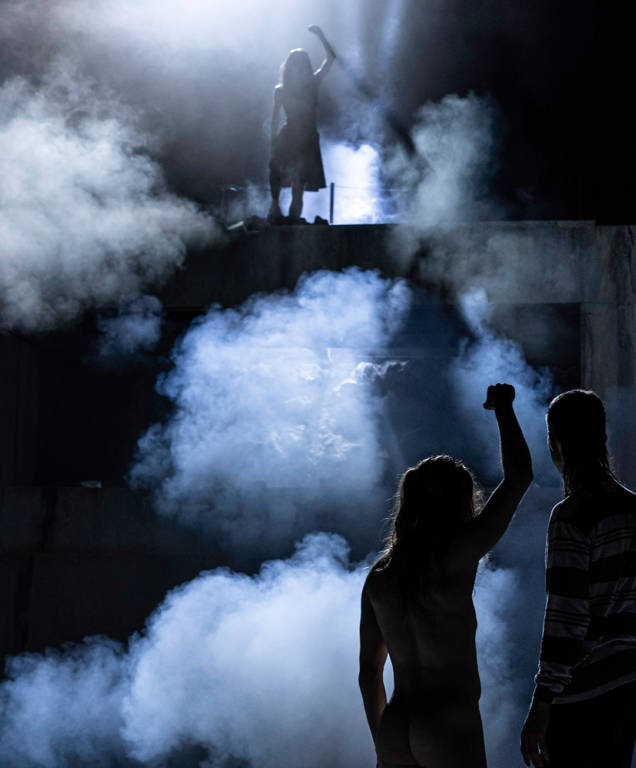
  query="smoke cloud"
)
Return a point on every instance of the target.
[
  {"x": 261, "y": 669},
  {"x": 137, "y": 328},
  {"x": 63, "y": 707},
  {"x": 491, "y": 358},
  {"x": 274, "y": 430},
  {"x": 84, "y": 215},
  {"x": 448, "y": 179}
]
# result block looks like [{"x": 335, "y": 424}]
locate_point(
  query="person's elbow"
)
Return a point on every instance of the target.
[
  {"x": 520, "y": 480},
  {"x": 526, "y": 476},
  {"x": 368, "y": 675}
]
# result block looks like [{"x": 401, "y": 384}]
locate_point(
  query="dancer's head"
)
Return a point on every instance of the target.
[
  {"x": 296, "y": 71},
  {"x": 434, "y": 498},
  {"x": 576, "y": 437}
]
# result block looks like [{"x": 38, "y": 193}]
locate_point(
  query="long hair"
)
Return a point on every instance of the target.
[
  {"x": 434, "y": 499},
  {"x": 296, "y": 72},
  {"x": 577, "y": 420}
]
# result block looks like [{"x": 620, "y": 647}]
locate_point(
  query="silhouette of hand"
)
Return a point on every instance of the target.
[
  {"x": 498, "y": 396},
  {"x": 533, "y": 749},
  {"x": 315, "y": 30}
]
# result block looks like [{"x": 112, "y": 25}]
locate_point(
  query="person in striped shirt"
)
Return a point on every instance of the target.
[{"x": 583, "y": 711}]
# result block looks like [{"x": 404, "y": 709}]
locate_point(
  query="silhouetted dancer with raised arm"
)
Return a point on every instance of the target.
[
  {"x": 417, "y": 605},
  {"x": 296, "y": 160},
  {"x": 583, "y": 711}
]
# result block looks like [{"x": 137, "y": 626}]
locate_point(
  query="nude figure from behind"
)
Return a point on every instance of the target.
[{"x": 417, "y": 605}]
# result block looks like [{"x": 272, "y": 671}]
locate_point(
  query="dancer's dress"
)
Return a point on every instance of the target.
[{"x": 296, "y": 158}]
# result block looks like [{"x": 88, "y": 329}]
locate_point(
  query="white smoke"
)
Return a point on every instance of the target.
[
  {"x": 266, "y": 671},
  {"x": 489, "y": 359},
  {"x": 136, "y": 328},
  {"x": 496, "y": 603},
  {"x": 63, "y": 708},
  {"x": 447, "y": 180},
  {"x": 261, "y": 668},
  {"x": 84, "y": 217},
  {"x": 275, "y": 423}
]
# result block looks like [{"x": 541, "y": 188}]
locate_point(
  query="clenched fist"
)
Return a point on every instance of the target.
[{"x": 498, "y": 396}]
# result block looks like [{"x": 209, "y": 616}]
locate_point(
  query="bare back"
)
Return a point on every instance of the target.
[
  {"x": 433, "y": 717},
  {"x": 428, "y": 630}
]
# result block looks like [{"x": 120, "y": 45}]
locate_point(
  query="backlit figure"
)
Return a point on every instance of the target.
[{"x": 295, "y": 159}]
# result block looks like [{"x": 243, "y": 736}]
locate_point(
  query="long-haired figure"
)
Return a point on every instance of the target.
[
  {"x": 296, "y": 160},
  {"x": 417, "y": 605}
]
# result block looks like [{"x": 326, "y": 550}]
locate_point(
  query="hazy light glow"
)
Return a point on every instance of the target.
[
  {"x": 355, "y": 171},
  {"x": 195, "y": 24}
]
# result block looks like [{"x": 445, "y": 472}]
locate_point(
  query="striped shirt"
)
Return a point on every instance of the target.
[{"x": 589, "y": 633}]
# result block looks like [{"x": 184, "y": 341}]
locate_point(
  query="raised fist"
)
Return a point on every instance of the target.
[
  {"x": 315, "y": 29},
  {"x": 499, "y": 395}
]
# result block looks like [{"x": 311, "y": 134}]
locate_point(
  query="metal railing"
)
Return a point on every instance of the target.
[{"x": 337, "y": 203}]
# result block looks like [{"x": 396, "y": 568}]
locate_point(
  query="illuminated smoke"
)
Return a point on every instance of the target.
[
  {"x": 84, "y": 217},
  {"x": 491, "y": 358},
  {"x": 275, "y": 425},
  {"x": 260, "y": 668},
  {"x": 447, "y": 182}
]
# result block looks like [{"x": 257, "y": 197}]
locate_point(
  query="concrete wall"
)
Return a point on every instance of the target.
[
  {"x": 20, "y": 410},
  {"x": 608, "y": 353},
  {"x": 78, "y": 561}
]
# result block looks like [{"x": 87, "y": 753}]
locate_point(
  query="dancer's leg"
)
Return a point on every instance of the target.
[
  {"x": 296, "y": 207},
  {"x": 274, "y": 186}
]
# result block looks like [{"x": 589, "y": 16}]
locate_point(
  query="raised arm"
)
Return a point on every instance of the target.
[
  {"x": 324, "y": 68},
  {"x": 373, "y": 653},
  {"x": 276, "y": 111},
  {"x": 480, "y": 535}
]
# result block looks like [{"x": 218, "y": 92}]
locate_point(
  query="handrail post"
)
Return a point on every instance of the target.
[{"x": 332, "y": 192}]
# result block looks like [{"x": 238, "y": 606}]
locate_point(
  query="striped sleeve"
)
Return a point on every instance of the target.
[{"x": 567, "y": 613}]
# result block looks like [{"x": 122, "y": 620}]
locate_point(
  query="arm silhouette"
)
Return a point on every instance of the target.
[
  {"x": 373, "y": 653},
  {"x": 276, "y": 111},
  {"x": 324, "y": 68},
  {"x": 480, "y": 535}
]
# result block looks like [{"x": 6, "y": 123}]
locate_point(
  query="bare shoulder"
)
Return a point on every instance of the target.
[{"x": 374, "y": 583}]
